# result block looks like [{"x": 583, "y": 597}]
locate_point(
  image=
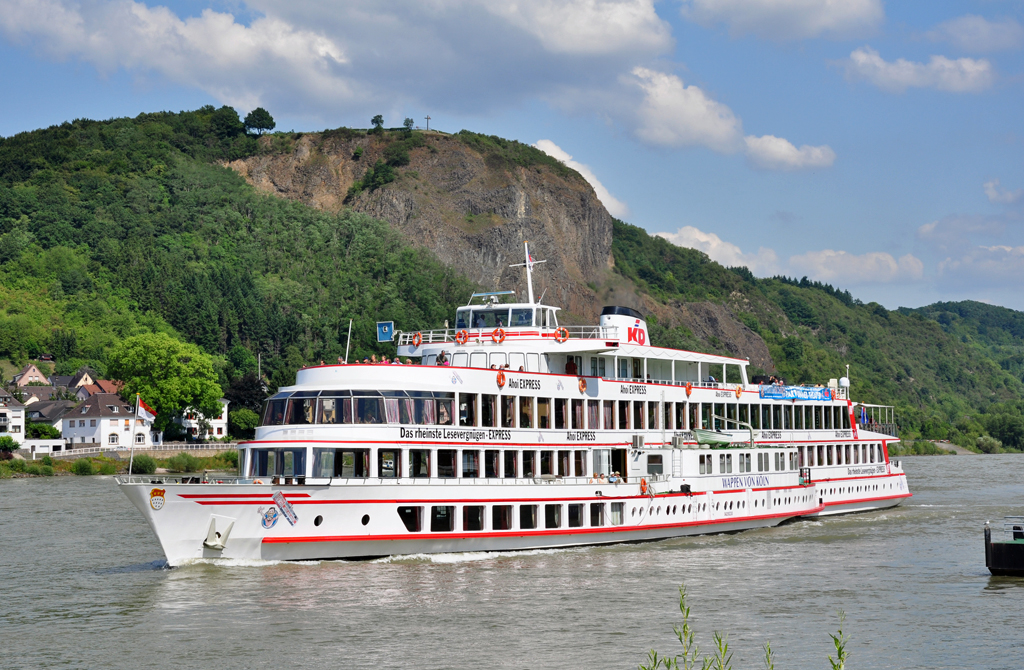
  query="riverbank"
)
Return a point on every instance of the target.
[{"x": 180, "y": 463}]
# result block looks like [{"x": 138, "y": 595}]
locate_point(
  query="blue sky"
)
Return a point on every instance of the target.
[{"x": 875, "y": 146}]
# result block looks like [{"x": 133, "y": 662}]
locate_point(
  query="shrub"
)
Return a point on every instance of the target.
[
  {"x": 108, "y": 469},
  {"x": 32, "y": 470},
  {"x": 143, "y": 465},
  {"x": 83, "y": 466},
  {"x": 16, "y": 465},
  {"x": 8, "y": 445},
  {"x": 183, "y": 462},
  {"x": 46, "y": 460},
  {"x": 46, "y": 470},
  {"x": 231, "y": 457},
  {"x": 989, "y": 445}
]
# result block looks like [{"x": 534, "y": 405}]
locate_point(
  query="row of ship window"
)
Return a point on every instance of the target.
[
  {"x": 514, "y": 463},
  {"x": 445, "y": 518},
  {"x": 507, "y": 411}
]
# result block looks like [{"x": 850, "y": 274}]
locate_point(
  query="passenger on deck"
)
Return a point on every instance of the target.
[
  {"x": 522, "y": 369},
  {"x": 570, "y": 367},
  {"x": 397, "y": 361},
  {"x": 614, "y": 479},
  {"x": 442, "y": 358},
  {"x": 373, "y": 359},
  {"x": 408, "y": 361},
  {"x": 494, "y": 366}
]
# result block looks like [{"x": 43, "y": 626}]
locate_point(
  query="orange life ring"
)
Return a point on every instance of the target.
[
  {"x": 689, "y": 389},
  {"x": 417, "y": 339},
  {"x": 498, "y": 335},
  {"x": 461, "y": 337},
  {"x": 501, "y": 379},
  {"x": 739, "y": 390},
  {"x": 583, "y": 385},
  {"x": 561, "y": 334},
  {"x": 643, "y": 487}
]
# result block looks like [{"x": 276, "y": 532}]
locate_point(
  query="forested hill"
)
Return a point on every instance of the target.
[
  {"x": 113, "y": 228},
  {"x": 126, "y": 226}
]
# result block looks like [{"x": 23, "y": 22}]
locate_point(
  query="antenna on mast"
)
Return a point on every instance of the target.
[{"x": 529, "y": 269}]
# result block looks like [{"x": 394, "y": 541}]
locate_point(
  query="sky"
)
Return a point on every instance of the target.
[{"x": 874, "y": 146}]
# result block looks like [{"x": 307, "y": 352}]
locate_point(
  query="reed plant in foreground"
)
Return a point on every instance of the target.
[{"x": 691, "y": 658}]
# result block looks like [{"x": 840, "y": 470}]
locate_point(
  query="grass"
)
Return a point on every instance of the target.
[
  {"x": 721, "y": 658},
  {"x": 226, "y": 461}
]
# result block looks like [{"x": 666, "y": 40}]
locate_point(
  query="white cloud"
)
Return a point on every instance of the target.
[
  {"x": 843, "y": 267},
  {"x": 837, "y": 267},
  {"x": 963, "y": 75},
  {"x": 673, "y": 114},
  {"x": 211, "y": 51},
  {"x": 976, "y": 33},
  {"x": 588, "y": 26},
  {"x": 776, "y": 153},
  {"x": 993, "y": 266},
  {"x": 764, "y": 262},
  {"x": 788, "y": 19},
  {"x": 615, "y": 207},
  {"x": 1001, "y": 196},
  {"x": 304, "y": 58}
]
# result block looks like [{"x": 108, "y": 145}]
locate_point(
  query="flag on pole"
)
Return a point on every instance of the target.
[{"x": 146, "y": 412}]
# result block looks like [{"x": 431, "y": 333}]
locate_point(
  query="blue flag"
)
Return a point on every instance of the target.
[{"x": 385, "y": 331}]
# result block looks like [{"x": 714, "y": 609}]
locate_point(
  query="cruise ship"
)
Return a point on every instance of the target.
[{"x": 511, "y": 432}]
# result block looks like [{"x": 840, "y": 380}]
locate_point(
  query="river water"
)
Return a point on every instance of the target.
[{"x": 84, "y": 587}]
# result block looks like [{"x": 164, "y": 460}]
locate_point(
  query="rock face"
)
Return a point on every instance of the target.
[{"x": 474, "y": 206}]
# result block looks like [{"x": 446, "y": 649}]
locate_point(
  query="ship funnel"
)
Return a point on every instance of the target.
[{"x": 632, "y": 328}]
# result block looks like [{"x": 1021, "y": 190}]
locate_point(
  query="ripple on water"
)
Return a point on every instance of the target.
[{"x": 86, "y": 586}]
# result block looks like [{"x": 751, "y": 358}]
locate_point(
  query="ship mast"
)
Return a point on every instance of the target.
[{"x": 529, "y": 270}]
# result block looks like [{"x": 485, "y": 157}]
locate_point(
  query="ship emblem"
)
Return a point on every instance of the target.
[
  {"x": 156, "y": 499},
  {"x": 270, "y": 518}
]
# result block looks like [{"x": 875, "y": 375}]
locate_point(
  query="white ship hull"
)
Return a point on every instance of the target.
[{"x": 185, "y": 516}]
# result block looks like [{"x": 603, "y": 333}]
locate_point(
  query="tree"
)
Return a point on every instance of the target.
[
  {"x": 225, "y": 124},
  {"x": 259, "y": 120},
  {"x": 378, "y": 124},
  {"x": 7, "y": 445},
  {"x": 246, "y": 391},
  {"x": 408, "y": 123},
  {"x": 243, "y": 422},
  {"x": 41, "y": 431},
  {"x": 169, "y": 374}
]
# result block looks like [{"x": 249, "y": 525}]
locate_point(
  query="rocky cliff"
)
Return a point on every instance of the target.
[{"x": 473, "y": 200}]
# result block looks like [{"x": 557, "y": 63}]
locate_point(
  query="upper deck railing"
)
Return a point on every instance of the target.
[
  {"x": 280, "y": 480},
  {"x": 443, "y": 335}
]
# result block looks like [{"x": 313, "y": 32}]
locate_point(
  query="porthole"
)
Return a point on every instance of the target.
[
  {"x": 675, "y": 509},
  {"x": 366, "y": 519},
  {"x": 318, "y": 520},
  {"x": 634, "y": 512},
  {"x": 659, "y": 510}
]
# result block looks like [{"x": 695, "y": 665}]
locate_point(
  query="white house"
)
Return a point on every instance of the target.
[
  {"x": 105, "y": 420},
  {"x": 12, "y": 417},
  {"x": 192, "y": 422}
]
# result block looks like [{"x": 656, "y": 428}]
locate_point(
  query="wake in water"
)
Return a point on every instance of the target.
[{"x": 471, "y": 557}]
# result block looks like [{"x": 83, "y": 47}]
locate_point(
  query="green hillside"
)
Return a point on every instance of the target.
[
  {"x": 127, "y": 226},
  {"x": 113, "y": 228}
]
